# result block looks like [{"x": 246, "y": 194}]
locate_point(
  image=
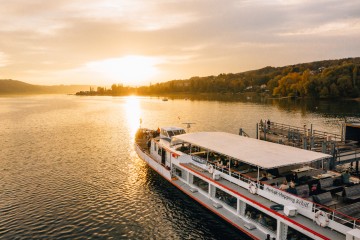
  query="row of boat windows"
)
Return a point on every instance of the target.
[
  {"x": 231, "y": 201},
  {"x": 170, "y": 133},
  {"x": 215, "y": 158},
  {"x": 251, "y": 213},
  {"x": 265, "y": 220}
]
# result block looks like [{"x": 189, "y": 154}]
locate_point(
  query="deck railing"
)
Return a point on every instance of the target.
[
  {"x": 326, "y": 135},
  {"x": 234, "y": 174},
  {"x": 336, "y": 216},
  {"x": 333, "y": 214},
  {"x": 300, "y": 131}
]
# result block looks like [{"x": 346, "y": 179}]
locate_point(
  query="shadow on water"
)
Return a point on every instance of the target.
[{"x": 194, "y": 215}]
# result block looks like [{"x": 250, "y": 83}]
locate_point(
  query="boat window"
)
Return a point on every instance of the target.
[
  {"x": 183, "y": 148},
  {"x": 295, "y": 234},
  {"x": 164, "y": 133},
  {"x": 178, "y": 172},
  {"x": 227, "y": 198},
  {"x": 170, "y": 133},
  {"x": 203, "y": 185},
  {"x": 178, "y": 132},
  {"x": 261, "y": 217},
  {"x": 159, "y": 151}
]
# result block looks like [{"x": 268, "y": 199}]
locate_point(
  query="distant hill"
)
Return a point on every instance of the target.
[
  {"x": 8, "y": 86},
  {"x": 339, "y": 78}
]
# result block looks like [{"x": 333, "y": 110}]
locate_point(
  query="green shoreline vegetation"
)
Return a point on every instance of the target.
[
  {"x": 329, "y": 79},
  {"x": 322, "y": 79}
]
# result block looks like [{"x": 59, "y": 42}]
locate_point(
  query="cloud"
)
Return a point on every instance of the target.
[
  {"x": 3, "y": 59},
  {"x": 344, "y": 27},
  {"x": 203, "y": 37}
]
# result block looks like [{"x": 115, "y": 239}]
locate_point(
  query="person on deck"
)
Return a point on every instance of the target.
[
  {"x": 284, "y": 185},
  {"x": 263, "y": 177},
  {"x": 261, "y": 220},
  {"x": 346, "y": 177},
  {"x": 292, "y": 189},
  {"x": 294, "y": 178},
  {"x": 236, "y": 165},
  {"x": 219, "y": 162}
]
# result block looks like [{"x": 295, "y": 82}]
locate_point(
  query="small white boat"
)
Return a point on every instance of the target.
[{"x": 222, "y": 171}]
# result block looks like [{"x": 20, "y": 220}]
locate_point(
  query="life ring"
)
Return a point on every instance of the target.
[
  {"x": 322, "y": 218},
  {"x": 252, "y": 188},
  {"x": 211, "y": 169}
]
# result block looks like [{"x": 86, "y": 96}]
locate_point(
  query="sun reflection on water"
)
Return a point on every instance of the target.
[{"x": 133, "y": 112}]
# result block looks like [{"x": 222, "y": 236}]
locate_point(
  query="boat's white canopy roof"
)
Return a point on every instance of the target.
[
  {"x": 265, "y": 155},
  {"x": 172, "y": 128}
]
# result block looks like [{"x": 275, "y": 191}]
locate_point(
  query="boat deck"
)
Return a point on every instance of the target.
[
  {"x": 222, "y": 212},
  {"x": 255, "y": 198}
]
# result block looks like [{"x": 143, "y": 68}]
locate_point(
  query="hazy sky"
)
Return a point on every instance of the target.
[{"x": 136, "y": 42}]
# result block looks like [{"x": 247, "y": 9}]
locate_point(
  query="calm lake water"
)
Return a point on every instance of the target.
[{"x": 68, "y": 169}]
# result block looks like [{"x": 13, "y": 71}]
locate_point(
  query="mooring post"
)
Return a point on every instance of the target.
[
  {"x": 311, "y": 142},
  {"x": 240, "y": 131},
  {"x": 324, "y": 147},
  {"x": 265, "y": 132},
  {"x": 257, "y": 130}
]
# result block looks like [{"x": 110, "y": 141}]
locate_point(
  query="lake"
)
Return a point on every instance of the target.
[{"x": 69, "y": 170}]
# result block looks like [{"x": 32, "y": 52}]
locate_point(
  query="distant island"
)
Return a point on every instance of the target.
[
  {"x": 322, "y": 79},
  {"x": 14, "y": 87}
]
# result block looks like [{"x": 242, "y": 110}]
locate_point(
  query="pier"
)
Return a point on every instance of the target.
[{"x": 344, "y": 147}]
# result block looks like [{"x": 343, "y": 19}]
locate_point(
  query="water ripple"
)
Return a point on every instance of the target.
[{"x": 68, "y": 170}]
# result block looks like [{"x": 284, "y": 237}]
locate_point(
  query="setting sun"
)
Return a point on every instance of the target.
[{"x": 130, "y": 70}]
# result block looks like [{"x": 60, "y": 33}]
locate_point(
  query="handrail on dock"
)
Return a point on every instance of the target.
[{"x": 311, "y": 139}]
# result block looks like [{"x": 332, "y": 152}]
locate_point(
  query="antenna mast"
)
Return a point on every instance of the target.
[{"x": 188, "y": 126}]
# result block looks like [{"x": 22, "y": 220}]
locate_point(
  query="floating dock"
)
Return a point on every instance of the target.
[{"x": 344, "y": 147}]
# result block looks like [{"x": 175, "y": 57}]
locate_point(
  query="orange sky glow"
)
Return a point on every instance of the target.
[{"x": 138, "y": 42}]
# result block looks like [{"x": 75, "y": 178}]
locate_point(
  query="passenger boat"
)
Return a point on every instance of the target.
[{"x": 223, "y": 172}]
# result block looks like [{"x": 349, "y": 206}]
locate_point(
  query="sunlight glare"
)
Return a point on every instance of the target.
[
  {"x": 130, "y": 70},
  {"x": 133, "y": 113}
]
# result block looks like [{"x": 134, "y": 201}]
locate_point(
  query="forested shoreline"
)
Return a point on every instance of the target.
[{"x": 322, "y": 79}]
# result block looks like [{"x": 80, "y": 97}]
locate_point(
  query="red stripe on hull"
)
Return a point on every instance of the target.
[{"x": 260, "y": 205}]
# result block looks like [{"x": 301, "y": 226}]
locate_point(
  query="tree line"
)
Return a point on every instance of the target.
[{"x": 321, "y": 79}]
